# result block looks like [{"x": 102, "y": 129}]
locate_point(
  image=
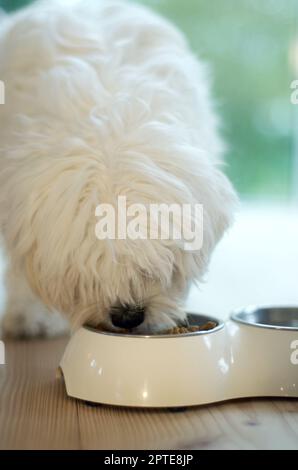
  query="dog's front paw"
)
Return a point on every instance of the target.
[{"x": 30, "y": 324}]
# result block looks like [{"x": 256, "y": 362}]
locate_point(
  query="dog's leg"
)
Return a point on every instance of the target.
[{"x": 25, "y": 316}]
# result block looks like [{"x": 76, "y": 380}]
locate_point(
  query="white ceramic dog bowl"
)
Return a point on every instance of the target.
[{"x": 251, "y": 355}]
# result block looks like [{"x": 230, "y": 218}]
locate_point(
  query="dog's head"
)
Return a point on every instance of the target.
[
  {"x": 119, "y": 283},
  {"x": 51, "y": 226}
]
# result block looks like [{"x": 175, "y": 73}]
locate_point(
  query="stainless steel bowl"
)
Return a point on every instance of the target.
[{"x": 281, "y": 318}]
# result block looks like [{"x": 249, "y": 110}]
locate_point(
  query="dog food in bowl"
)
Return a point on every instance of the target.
[
  {"x": 177, "y": 330},
  {"x": 180, "y": 330}
]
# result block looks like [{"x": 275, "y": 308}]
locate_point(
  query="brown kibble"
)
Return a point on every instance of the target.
[{"x": 180, "y": 330}]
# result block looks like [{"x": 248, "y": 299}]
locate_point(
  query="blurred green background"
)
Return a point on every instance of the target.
[{"x": 247, "y": 44}]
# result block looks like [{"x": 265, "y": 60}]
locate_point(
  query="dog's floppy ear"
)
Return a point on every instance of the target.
[
  {"x": 219, "y": 202},
  {"x": 49, "y": 225}
]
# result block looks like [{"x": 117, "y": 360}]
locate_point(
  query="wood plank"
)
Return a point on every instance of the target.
[
  {"x": 34, "y": 410},
  {"x": 106, "y": 427},
  {"x": 245, "y": 424},
  {"x": 253, "y": 424},
  {"x": 289, "y": 412}
]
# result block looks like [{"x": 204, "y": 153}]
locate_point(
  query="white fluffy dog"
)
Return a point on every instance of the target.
[{"x": 103, "y": 98}]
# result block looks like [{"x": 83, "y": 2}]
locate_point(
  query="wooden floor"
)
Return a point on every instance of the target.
[{"x": 35, "y": 413}]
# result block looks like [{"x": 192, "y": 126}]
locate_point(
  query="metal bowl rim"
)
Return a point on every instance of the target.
[
  {"x": 218, "y": 327},
  {"x": 251, "y": 309}
]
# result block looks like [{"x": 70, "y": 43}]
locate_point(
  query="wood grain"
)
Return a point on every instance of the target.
[
  {"x": 34, "y": 411},
  {"x": 36, "y": 414}
]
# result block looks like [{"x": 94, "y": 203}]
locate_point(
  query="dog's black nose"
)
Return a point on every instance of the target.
[{"x": 127, "y": 316}]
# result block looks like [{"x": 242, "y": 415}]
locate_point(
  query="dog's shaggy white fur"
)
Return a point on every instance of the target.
[{"x": 103, "y": 98}]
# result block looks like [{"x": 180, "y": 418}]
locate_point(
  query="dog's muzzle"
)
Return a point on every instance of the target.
[{"x": 127, "y": 316}]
